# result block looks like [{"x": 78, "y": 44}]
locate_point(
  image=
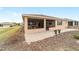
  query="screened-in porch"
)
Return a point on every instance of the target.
[
  {"x": 70, "y": 23},
  {"x": 35, "y": 23},
  {"x": 40, "y": 23}
]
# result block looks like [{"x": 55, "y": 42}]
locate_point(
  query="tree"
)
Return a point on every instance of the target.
[{"x": 1, "y": 25}]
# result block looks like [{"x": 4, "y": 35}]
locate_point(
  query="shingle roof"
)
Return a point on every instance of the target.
[
  {"x": 47, "y": 17},
  {"x": 41, "y": 16}
]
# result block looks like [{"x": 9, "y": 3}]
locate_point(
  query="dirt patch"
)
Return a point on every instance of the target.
[{"x": 61, "y": 42}]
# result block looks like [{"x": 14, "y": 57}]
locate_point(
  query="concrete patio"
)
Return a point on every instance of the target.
[{"x": 32, "y": 37}]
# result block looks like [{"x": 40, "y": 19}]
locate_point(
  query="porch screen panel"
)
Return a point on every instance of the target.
[{"x": 35, "y": 23}]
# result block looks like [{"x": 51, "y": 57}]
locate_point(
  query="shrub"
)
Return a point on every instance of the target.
[
  {"x": 55, "y": 31},
  {"x": 76, "y": 37},
  {"x": 59, "y": 31}
]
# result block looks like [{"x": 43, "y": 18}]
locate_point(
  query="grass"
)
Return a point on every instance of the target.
[
  {"x": 70, "y": 49},
  {"x": 3, "y": 30},
  {"x": 76, "y": 36},
  {"x": 8, "y": 32}
]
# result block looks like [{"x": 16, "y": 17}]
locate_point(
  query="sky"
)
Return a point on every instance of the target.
[{"x": 14, "y": 14}]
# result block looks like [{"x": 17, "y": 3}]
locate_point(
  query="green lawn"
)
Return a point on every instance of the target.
[{"x": 8, "y": 32}]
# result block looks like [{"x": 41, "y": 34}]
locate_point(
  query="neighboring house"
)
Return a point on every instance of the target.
[
  {"x": 36, "y": 23},
  {"x": 7, "y": 24}
]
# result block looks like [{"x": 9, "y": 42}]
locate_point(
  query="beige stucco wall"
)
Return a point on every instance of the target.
[
  {"x": 25, "y": 21},
  {"x": 35, "y": 30},
  {"x": 63, "y": 26}
]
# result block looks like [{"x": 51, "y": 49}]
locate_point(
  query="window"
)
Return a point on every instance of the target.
[
  {"x": 70, "y": 23},
  {"x": 76, "y": 23},
  {"x": 59, "y": 22},
  {"x": 50, "y": 23}
]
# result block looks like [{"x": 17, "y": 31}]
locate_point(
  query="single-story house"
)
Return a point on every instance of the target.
[
  {"x": 36, "y": 23},
  {"x": 72, "y": 23}
]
